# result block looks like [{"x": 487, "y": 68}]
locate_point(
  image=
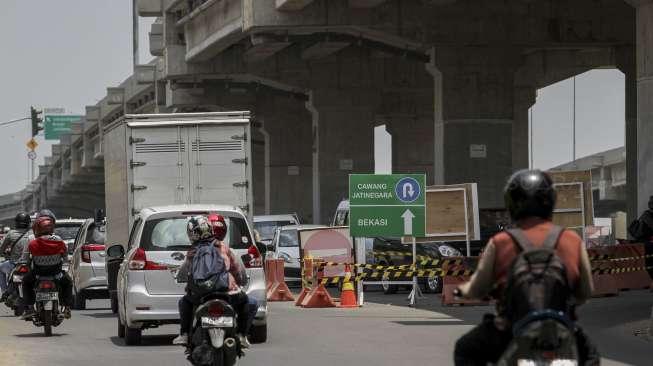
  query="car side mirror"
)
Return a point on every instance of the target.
[{"x": 116, "y": 251}]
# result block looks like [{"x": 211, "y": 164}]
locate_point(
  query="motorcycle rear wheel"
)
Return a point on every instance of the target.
[
  {"x": 218, "y": 357},
  {"x": 47, "y": 322}
]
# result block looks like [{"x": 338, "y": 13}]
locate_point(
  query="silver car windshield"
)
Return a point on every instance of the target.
[
  {"x": 165, "y": 234},
  {"x": 289, "y": 239},
  {"x": 267, "y": 228}
]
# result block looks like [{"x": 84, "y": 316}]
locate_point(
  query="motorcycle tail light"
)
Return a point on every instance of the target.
[
  {"x": 216, "y": 310},
  {"x": 23, "y": 269},
  {"x": 46, "y": 285}
]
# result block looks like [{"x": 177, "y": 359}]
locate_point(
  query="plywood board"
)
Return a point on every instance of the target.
[
  {"x": 568, "y": 219},
  {"x": 569, "y": 197},
  {"x": 445, "y": 212}
]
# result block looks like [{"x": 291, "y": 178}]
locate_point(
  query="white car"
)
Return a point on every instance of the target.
[
  {"x": 286, "y": 247},
  {"x": 268, "y": 224},
  {"x": 147, "y": 291}
]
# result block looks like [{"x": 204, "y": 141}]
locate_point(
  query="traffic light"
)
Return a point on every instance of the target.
[{"x": 36, "y": 121}]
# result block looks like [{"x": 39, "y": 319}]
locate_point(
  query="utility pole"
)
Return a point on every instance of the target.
[
  {"x": 573, "y": 152},
  {"x": 135, "y": 32},
  {"x": 531, "y": 139}
]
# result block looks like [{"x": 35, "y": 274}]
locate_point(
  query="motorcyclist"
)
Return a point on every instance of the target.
[
  {"x": 46, "y": 255},
  {"x": 237, "y": 272},
  {"x": 530, "y": 197},
  {"x": 12, "y": 248},
  {"x": 236, "y": 277}
]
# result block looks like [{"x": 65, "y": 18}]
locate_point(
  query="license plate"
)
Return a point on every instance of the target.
[
  {"x": 17, "y": 279},
  {"x": 47, "y": 296},
  {"x": 221, "y": 322}
]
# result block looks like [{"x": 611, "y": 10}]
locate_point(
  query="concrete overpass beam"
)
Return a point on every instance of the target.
[
  {"x": 365, "y": 3},
  {"x": 262, "y": 48},
  {"x": 292, "y": 5},
  {"x": 322, "y": 49}
]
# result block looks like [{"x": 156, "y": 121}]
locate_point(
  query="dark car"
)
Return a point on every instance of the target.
[{"x": 391, "y": 252}]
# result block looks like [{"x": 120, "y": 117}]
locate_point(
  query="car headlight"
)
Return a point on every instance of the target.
[{"x": 447, "y": 251}]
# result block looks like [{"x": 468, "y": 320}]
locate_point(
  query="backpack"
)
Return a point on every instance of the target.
[
  {"x": 537, "y": 279},
  {"x": 208, "y": 272}
]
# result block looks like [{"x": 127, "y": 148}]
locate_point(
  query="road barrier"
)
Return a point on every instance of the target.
[
  {"x": 316, "y": 296},
  {"x": 277, "y": 288},
  {"x": 614, "y": 268}
]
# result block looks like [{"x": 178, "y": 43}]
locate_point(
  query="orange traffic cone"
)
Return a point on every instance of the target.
[{"x": 348, "y": 295}]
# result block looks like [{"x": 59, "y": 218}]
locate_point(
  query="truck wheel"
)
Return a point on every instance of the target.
[
  {"x": 259, "y": 334},
  {"x": 121, "y": 328},
  {"x": 79, "y": 302},
  {"x": 132, "y": 336},
  {"x": 114, "y": 302}
]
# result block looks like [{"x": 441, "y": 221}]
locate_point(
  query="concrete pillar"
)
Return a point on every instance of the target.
[
  {"x": 478, "y": 118},
  {"x": 627, "y": 64},
  {"x": 523, "y": 101},
  {"x": 644, "y": 44},
  {"x": 343, "y": 122},
  {"x": 287, "y": 163}
]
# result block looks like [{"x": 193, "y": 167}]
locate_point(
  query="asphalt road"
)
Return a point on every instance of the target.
[{"x": 385, "y": 332}]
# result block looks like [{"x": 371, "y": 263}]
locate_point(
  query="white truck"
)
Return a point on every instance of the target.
[{"x": 170, "y": 159}]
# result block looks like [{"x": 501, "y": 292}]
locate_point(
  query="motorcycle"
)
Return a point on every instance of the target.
[
  {"x": 14, "y": 299},
  {"x": 47, "y": 314},
  {"x": 213, "y": 340},
  {"x": 543, "y": 338}
]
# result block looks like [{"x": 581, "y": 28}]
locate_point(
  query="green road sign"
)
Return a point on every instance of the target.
[
  {"x": 57, "y": 125},
  {"x": 387, "y": 205}
]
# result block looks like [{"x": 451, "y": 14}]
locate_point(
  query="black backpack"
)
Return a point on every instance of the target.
[
  {"x": 537, "y": 279},
  {"x": 208, "y": 272}
]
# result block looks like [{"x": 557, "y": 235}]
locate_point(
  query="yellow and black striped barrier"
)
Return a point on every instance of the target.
[
  {"x": 435, "y": 263},
  {"x": 389, "y": 275},
  {"x": 603, "y": 271},
  {"x": 607, "y": 257}
]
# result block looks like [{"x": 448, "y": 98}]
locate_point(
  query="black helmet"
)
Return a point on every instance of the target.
[
  {"x": 47, "y": 213},
  {"x": 530, "y": 193},
  {"x": 22, "y": 220}
]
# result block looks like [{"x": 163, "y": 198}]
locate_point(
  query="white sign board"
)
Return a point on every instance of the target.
[{"x": 477, "y": 151}]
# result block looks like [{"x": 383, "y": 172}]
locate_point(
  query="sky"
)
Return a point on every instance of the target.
[
  {"x": 65, "y": 53},
  {"x": 62, "y": 53},
  {"x": 600, "y": 117}
]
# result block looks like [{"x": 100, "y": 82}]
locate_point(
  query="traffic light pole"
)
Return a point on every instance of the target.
[{"x": 14, "y": 121}]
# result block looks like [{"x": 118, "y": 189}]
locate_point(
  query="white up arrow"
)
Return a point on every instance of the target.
[{"x": 408, "y": 222}]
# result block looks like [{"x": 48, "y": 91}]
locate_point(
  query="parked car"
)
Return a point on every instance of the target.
[
  {"x": 286, "y": 246},
  {"x": 87, "y": 264},
  {"x": 147, "y": 291},
  {"x": 391, "y": 252},
  {"x": 67, "y": 229},
  {"x": 341, "y": 217},
  {"x": 267, "y": 225}
]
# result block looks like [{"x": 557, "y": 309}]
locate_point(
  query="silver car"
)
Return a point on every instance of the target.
[
  {"x": 268, "y": 224},
  {"x": 67, "y": 230},
  {"x": 87, "y": 264},
  {"x": 147, "y": 291},
  {"x": 286, "y": 246}
]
